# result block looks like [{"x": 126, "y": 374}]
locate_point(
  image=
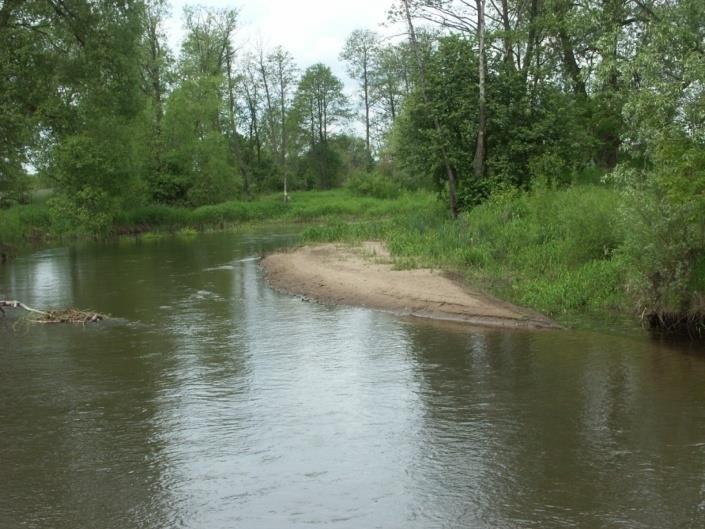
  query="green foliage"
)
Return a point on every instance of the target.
[
  {"x": 320, "y": 167},
  {"x": 319, "y": 103},
  {"x": 20, "y": 225},
  {"x": 88, "y": 211},
  {"x": 555, "y": 250},
  {"x": 663, "y": 182},
  {"x": 531, "y": 135},
  {"x": 373, "y": 184},
  {"x": 14, "y": 188},
  {"x": 451, "y": 97},
  {"x": 199, "y": 165},
  {"x": 664, "y": 209}
]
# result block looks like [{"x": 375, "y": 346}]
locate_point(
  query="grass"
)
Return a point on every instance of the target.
[
  {"x": 553, "y": 250},
  {"x": 33, "y": 224},
  {"x": 309, "y": 206},
  {"x": 23, "y": 225}
]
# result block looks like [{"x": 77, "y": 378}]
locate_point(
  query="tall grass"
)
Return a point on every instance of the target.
[
  {"x": 20, "y": 225},
  {"x": 23, "y": 225},
  {"x": 303, "y": 207},
  {"x": 555, "y": 250}
]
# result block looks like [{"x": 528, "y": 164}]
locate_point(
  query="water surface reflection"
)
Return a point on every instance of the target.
[{"x": 216, "y": 402}]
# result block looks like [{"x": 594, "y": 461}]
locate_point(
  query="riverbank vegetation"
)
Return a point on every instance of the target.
[
  {"x": 554, "y": 250},
  {"x": 564, "y": 140},
  {"x": 38, "y": 224}
]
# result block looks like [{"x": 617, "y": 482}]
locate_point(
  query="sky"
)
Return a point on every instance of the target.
[{"x": 312, "y": 30}]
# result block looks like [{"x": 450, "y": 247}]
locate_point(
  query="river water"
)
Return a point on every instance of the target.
[{"x": 213, "y": 402}]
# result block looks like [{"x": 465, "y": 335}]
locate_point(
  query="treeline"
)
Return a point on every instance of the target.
[
  {"x": 527, "y": 94},
  {"x": 481, "y": 99},
  {"x": 95, "y": 103}
]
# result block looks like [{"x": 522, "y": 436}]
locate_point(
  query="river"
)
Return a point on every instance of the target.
[{"x": 213, "y": 402}]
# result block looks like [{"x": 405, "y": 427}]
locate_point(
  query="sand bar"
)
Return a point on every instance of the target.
[{"x": 364, "y": 276}]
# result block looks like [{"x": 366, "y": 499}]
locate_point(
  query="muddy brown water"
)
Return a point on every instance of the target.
[{"x": 213, "y": 402}]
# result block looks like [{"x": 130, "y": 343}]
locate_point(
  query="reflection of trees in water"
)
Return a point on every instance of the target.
[
  {"x": 461, "y": 467},
  {"x": 89, "y": 415},
  {"x": 638, "y": 427},
  {"x": 565, "y": 427},
  {"x": 82, "y": 441},
  {"x": 39, "y": 280}
]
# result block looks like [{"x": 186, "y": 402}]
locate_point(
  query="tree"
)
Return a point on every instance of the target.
[
  {"x": 360, "y": 52},
  {"x": 663, "y": 176},
  {"x": 391, "y": 81},
  {"x": 480, "y": 144},
  {"x": 232, "y": 133},
  {"x": 320, "y": 102},
  {"x": 208, "y": 40},
  {"x": 319, "y": 105},
  {"x": 91, "y": 124},
  {"x": 157, "y": 63},
  {"x": 450, "y": 172},
  {"x": 284, "y": 76},
  {"x": 260, "y": 147},
  {"x": 200, "y": 162}
]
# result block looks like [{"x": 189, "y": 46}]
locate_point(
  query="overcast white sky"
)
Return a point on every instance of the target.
[{"x": 312, "y": 30}]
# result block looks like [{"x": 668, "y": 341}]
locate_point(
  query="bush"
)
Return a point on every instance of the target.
[
  {"x": 373, "y": 184},
  {"x": 88, "y": 211},
  {"x": 20, "y": 224}
]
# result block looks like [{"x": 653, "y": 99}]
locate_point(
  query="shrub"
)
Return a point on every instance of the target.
[{"x": 373, "y": 184}]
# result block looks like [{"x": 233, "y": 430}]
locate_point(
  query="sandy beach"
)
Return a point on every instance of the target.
[{"x": 364, "y": 276}]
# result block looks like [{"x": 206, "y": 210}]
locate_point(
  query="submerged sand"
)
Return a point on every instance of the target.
[{"x": 365, "y": 277}]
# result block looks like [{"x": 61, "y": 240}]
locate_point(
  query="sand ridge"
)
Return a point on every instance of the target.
[{"x": 364, "y": 276}]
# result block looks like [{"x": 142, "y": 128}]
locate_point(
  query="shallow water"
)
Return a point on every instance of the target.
[{"x": 213, "y": 402}]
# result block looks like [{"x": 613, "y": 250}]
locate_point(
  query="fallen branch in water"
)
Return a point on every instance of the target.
[{"x": 73, "y": 316}]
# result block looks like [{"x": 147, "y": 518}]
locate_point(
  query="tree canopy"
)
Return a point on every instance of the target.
[{"x": 475, "y": 98}]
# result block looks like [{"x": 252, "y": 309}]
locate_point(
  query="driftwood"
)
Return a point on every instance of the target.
[{"x": 54, "y": 316}]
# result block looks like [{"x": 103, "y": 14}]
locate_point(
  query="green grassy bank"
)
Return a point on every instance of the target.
[
  {"x": 35, "y": 224},
  {"x": 557, "y": 251}
]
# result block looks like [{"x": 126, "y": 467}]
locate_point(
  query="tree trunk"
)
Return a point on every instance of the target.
[
  {"x": 452, "y": 193},
  {"x": 570, "y": 64},
  {"x": 268, "y": 99},
  {"x": 283, "y": 140},
  {"x": 233, "y": 126},
  {"x": 154, "y": 70},
  {"x": 366, "y": 88},
  {"x": 480, "y": 144},
  {"x": 531, "y": 42},
  {"x": 507, "y": 39}
]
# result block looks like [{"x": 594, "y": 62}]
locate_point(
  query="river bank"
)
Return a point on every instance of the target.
[
  {"x": 36, "y": 225},
  {"x": 556, "y": 251},
  {"x": 365, "y": 276},
  {"x": 559, "y": 252}
]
